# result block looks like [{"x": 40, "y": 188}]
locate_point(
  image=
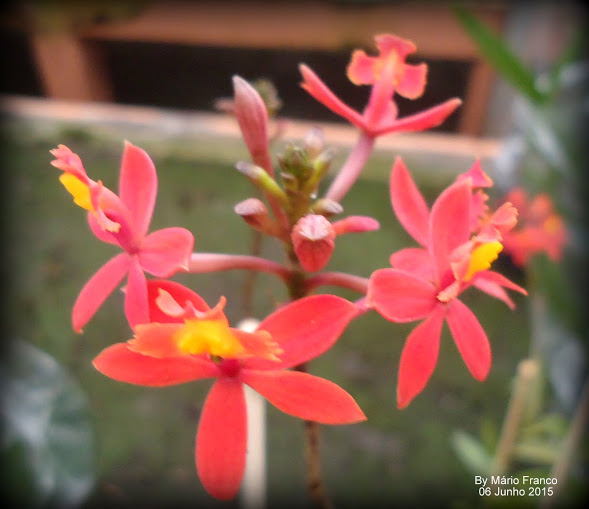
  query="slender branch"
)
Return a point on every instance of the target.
[
  {"x": 357, "y": 283},
  {"x": 351, "y": 169},
  {"x": 526, "y": 373},
  {"x": 215, "y": 262},
  {"x": 562, "y": 465}
]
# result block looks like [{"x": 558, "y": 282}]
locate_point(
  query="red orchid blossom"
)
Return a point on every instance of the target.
[
  {"x": 540, "y": 228},
  {"x": 460, "y": 239},
  {"x": 186, "y": 341},
  {"x": 124, "y": 221},
  {"x": 388, "y": 74}
]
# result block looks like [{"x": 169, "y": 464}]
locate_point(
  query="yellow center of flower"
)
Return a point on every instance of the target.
[
  {"x": 208, "y": 337},
  {"x": 79, "y": 190},
  {"x": 482, "y": 257}
]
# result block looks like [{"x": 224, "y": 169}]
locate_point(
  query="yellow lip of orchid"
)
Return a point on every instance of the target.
[
  {"x": 78, "y": 189},
  {"x": 482, "y": 257},
  {"x": 211, "y": 337}
]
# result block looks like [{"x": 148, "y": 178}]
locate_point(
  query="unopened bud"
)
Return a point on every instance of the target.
[
  {"x": 313, "y": 239},
  {"x": 252, "y": 118},
  {"x": 327, "y": 207},
  {"x": 314, "y": 142},
  {"x": 255, "y": 213},
  {"x": 321, "y": 165},
  {"x": 260, "y": 178}
]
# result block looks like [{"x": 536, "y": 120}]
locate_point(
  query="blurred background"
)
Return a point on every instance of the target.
[{"x": 92, "y": 75}]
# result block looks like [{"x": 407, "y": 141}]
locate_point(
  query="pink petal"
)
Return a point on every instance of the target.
[
  {"x": 423, "y": 120},
  {"x": 382, "y": 92},
  {"x": 138, "y": 187},
  {"x": 136, "y": 304},
  {"x": 449, "y": 223},
  {"x": 408, "y": 203},
  {"x": 400, "y": 296},
  {"x": 470, "y": 338},
  {"x": 477, "y": 174},
  {"x": 419, "y": 357},
  {"x": 305, "y": 396},
  {"x": 97, "y": 289},
  {"x": 179, "y": 293},
  {"x": 98, "y": 231},
  {"x": 305, "y": 329},
  {"x": 360, "y": 70},
  {"x": 355, "y": 224},
  {"x": 413, "y": 82},
  {"x": 221, "y": 439},
  {"x": 389, "y": 42},
  {"x": 415, "y": 260},
  {"x": 164, "y": 252},
  {"x": 492, "y": 283},
  {"x": 318, "y": 89},
  {"x": 122, "y": 364}
]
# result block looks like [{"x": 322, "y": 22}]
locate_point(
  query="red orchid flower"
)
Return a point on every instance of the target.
[
  {"x": 186, "y": 341},
  {"x": 424, "y": 283},
  {"x": 124, "y": 221},
  {"x": 540, "y": 228},
  {"x": 388, "y": 74}
]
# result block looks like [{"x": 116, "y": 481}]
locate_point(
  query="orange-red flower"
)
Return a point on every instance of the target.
[
  {"x": 387, "y": 73},
  {"x": 459, "y": 240},
  {"x": 123, "y": 220},
  {"x": 540, "y": 228},
  {"x": 186, "y": 340}
]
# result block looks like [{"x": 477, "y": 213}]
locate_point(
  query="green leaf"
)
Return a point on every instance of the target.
[
  {"x": 46, "y": 431},
  {"x": 498, "y": 54},
  {"x": 472, "y": 453}
]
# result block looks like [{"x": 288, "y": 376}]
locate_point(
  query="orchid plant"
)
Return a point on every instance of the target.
[{"x": 179, "y": 338}]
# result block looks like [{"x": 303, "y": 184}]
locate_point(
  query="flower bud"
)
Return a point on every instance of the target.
[
  {"x": 327, "y": 207},
  {"x": 255, "y": 213},
  {"x": 355, "y": 224},
  {"x": 314, "y": 142},
  {"x": 261, "y": 179},
  {"x": 313, "y": 240},
  {"x": 252, "y": 117}
]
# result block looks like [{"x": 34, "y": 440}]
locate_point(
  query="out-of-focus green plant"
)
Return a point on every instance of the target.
[{"x": 543, "y": 153}]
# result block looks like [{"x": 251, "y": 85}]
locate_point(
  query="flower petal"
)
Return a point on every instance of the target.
[
  {"x": 165, "y": 251},
  {"x": 399, "y": 296},
  {"x": 101, "y": 233},
  {"x": 361, "y": 68},
  {"x": 423, "y": 120},
  {"x": 97, "y": 289},
  {"x": 136, "y": 304},
  {"x": 492, "y": 283},
  {"x": 408, "y": 203},
  {"x": 414, "y": 260},
  {"x": 305, "y": 396},
  {"x": 120, "y": 363},
  {"x": 449, "y": 223},
  {"x": 314, "y": 86},
  {"x": 470, "y": 338},
  {"x": 412, "y": 83},
  {"x": 222, "y": 438},
  {"x": 138, "y": 187},
  {"x": 180, "y": 294},
  {"x": 305, "y": 329},
  {"x": 419, "y": 357}
]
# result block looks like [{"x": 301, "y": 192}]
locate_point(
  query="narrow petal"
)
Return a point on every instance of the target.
[
  {"x": 355, "y": 224},
  {"x": 423, "y": 120},
  {"x": 136, "y": 304},
  {"x": 97, "y": 289},
  {"x": 120, "y": 363},
  {"x": 138, "y": 187},
  {"x": 314, "y": 86},
  {"x": 492, "y": 283},
  {"x": 470, "y": 338},
  {"x": 305, "y": 396},
  {"x": 449, "y": 223},
  {"x": 179, "y": 293},
  {"x": 305, "y": 329},
  {"x": 419, "y": 357},
  {"x": 412, "y": 84},
  {"x": 408, "y": 203},
  {"x": 221, "y": 439},
  {"x": 165, "y": 251},
  {"x": 101, "y": 233},
  {"x": 400, "y": 296},
  {"x": 414, "y": 260}
]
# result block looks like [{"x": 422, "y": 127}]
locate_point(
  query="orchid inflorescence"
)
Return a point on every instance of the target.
[{"x": 179, "y": 338}]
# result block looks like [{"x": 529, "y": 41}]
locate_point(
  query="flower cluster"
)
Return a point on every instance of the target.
[{"x": 178, "y": 337}]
